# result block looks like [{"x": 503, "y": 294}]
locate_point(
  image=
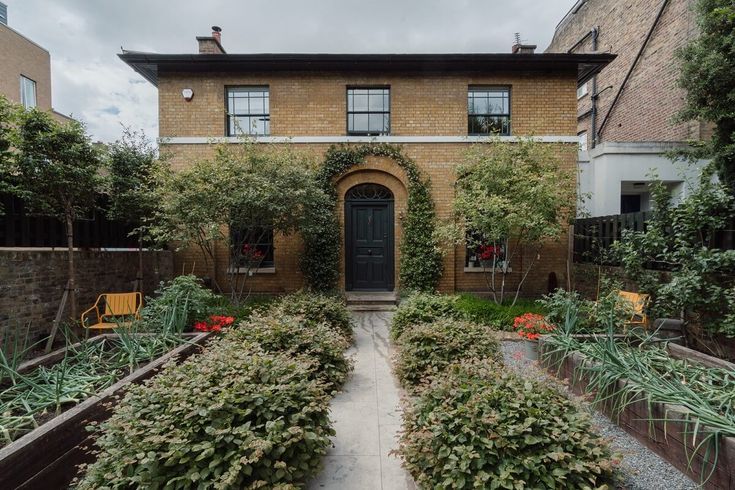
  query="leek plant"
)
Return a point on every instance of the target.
[{"x": 637, "y": 368}]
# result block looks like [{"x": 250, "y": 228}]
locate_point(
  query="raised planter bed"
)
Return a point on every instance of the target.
[
  {"x": 47, "y": 457},
  {"x": 655, "y": 426}
]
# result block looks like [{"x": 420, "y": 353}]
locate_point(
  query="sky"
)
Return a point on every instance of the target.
[{"x": 91, "y": 84}]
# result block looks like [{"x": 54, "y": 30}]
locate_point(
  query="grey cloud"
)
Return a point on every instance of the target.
[{"x": 84, "y": 37}]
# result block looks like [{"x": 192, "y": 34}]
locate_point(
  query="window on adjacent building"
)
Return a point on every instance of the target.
[
  {"x": 248, "y": 111},
  {"x": 488, "y": 110},
  {"x": 368, "y": 111},
  {"x": 254, "y": 246},
  {"x": 27, "y": 92},
  {"x": 582, "y": 140},
  {"x": 582, "y": 90}
]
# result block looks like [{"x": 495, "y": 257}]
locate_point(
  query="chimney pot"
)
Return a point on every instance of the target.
[
  {"x": 217, "y": 33},
  {"x": 213, "y": 43},
  {"x": 524, "y": 48}
]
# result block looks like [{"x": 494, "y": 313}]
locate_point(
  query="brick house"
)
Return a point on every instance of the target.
[
  {"x": 25, "y": 77},
  {"x": 312, "y": 101},
  {"x": 625, "y": 113}
]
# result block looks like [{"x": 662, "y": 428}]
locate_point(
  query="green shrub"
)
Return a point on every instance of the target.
[
  {"x": 274, "y": 331},
  {"x": 227, "y": 418},
  {"x": 223, "y": 306},
  {"x": 319, "y": 308},
  {"x": 185, "y": 295},
  {"x": 480, "y": 426},
  {"x": 427, "y": 349},
  {"x": 422, "y": 308},
  {"x": 489, "y": 313}
]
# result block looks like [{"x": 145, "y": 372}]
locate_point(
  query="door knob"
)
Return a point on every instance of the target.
[{"x": 370, "y": 252}]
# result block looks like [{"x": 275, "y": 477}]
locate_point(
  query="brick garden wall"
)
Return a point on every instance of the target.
[
  {"x": 32, "y": 282},
  {"x": 429, "y": 104}
]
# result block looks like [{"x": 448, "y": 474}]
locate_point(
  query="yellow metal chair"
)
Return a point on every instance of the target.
[
  {"x": 639, "y": 302},
  {"x": 125, "y": 306}
]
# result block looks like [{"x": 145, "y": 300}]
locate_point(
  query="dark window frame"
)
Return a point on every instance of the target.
[
  {"x": 265, "y": 246},
  {"x": 507, "y": 116},
  {"x": 229, "y": 116},
  {"x": 348, "y": 111},
  {"x": 473, "y": 251}
]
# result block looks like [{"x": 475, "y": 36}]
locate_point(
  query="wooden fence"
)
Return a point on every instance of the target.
[
  {"x": 592, "y": 236},
  {"x": 18, "y": 228}
]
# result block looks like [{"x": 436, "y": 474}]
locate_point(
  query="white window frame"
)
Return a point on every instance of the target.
[
  {"x": 24, "y": 82},
  {"x": 582, "y": 90}
]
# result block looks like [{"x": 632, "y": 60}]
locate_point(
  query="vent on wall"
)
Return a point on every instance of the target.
[{"x": 3, "y": 14}]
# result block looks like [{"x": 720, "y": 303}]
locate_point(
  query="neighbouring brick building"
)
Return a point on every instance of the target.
[
  {"x": 433, "y": 105},
  {"x": 626, "y": 112},
  {"x": 25, "y": 73}
]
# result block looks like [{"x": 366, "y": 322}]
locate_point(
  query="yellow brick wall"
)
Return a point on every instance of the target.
[{"x": 425, "y": 105}]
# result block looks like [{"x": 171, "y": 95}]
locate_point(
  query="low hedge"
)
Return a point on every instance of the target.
[
  {"x": 275, "y": 331},
  {"x": 318, "y": 308},
  {"x": 227, "y": 418},
  {"x": 480, "y": 426},
  {"x": 422, "y": 308},
  {"x": 427, "y": 349}
]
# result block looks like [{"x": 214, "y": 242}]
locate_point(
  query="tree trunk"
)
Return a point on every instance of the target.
[{"x": 69, "y": 213}]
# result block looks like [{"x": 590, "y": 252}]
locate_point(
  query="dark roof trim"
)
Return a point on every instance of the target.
[{"x": 150, "y": 64}]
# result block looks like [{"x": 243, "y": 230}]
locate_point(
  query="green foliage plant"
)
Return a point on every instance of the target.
[
  {"x": 708, "y": 77},
  {"x": 131, "y": 164},
  {"x": 226, "y": 418},
  {"x": 237, "y": 196},
  {"x": 55, "y": 169},
  {"x": 681, "y": 237},
  {"x": 426, "y": 350},
  {"x": 481, "y": 426},
  {"x": 318, "y": 308},
  {"x": 492, "y": 314},
  {"x": 421, "y": 256},
  {"x": 420, "y": 308},
  {"x": 184, "y": 297},
  {"x": 517, "y": 198},
  {"x": 275, "y": 331}
]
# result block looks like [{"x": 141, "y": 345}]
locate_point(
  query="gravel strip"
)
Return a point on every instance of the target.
[{"x": 640, "y": 468}]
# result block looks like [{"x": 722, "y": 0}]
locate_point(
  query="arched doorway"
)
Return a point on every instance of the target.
[{"x": 369, "y": 238}]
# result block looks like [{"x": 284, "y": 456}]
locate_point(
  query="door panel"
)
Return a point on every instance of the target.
[{"x": 369, "y": 243}]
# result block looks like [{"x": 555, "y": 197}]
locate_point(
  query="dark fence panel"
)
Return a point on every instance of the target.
[
  {"x": 592, "y": 236},
  {"x": 18, "y": 228}
]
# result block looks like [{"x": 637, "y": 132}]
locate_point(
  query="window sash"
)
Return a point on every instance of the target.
[
  {"x": 474, "y": 249},
  {"x": 368, "y": 110},
  {"x": 27, "y": 92},
  {"x": 260, "y": 239},
  {"x": 488, "y": 111},
  {"x": 248, "y": 111}
]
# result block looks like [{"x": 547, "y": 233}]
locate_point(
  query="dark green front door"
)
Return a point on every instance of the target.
[{"x": 369, "y": 243}]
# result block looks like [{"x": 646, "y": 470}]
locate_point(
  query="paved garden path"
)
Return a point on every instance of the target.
[{"x": 367, "y": 416}]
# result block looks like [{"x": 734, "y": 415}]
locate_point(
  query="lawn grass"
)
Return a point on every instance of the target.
[{"x": 487, "y": 312}]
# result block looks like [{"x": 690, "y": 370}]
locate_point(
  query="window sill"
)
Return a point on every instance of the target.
[
  {"x": 260, "y": 270},
  {"x": 483, "y": 269}
]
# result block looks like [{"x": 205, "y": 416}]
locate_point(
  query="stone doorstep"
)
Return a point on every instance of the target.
[
  {"x": 371, "y": 298},
  {"x": 371, "y": 307}
]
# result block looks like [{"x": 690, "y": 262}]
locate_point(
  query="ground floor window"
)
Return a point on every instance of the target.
[
  {"x": 483, "y": 253},
  {"x": 252, "y": 248}
]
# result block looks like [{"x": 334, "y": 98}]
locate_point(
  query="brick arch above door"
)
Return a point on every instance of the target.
[{"x": 369, "y": 174}]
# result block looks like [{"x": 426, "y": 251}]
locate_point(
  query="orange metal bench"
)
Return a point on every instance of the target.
[{"x": 120, "y": 309}]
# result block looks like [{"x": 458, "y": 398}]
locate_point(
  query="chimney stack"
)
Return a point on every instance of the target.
[
  {"x": 213, "y": 43},
  {"x": 520, "y": 48}
]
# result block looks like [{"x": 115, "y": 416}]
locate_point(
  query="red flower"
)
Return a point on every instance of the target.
[
  {"x": 531, "y": 326},
  {"x": 215, "y": 324}
]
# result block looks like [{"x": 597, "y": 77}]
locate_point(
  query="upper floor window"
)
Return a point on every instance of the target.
[
  {"x": 368, "y": 111},
  {"x": 27, "y": 92},
  {"x": 248, "y": 111},
  {"x": 582, "y": 90},
  {"x": 582, "y": 141},
  {"x": 488, "y": 110}
]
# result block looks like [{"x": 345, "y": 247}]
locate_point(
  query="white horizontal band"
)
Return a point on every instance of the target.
[{"x": 203, "y": 140}]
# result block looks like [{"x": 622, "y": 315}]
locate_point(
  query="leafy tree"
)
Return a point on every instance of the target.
[
  {"x": 8, "y": 120},
  {"x": 511, "y": 199},
  {"x": 683, "y": 239},
  {"x": 237, "y": 196},
  {"x": 131, "y": 164},
  {"x": 708, "y": 76},
  {"x": 55, "y": 170}
]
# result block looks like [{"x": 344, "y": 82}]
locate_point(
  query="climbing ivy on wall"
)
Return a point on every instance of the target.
[{"x": 421, "y": 258}]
